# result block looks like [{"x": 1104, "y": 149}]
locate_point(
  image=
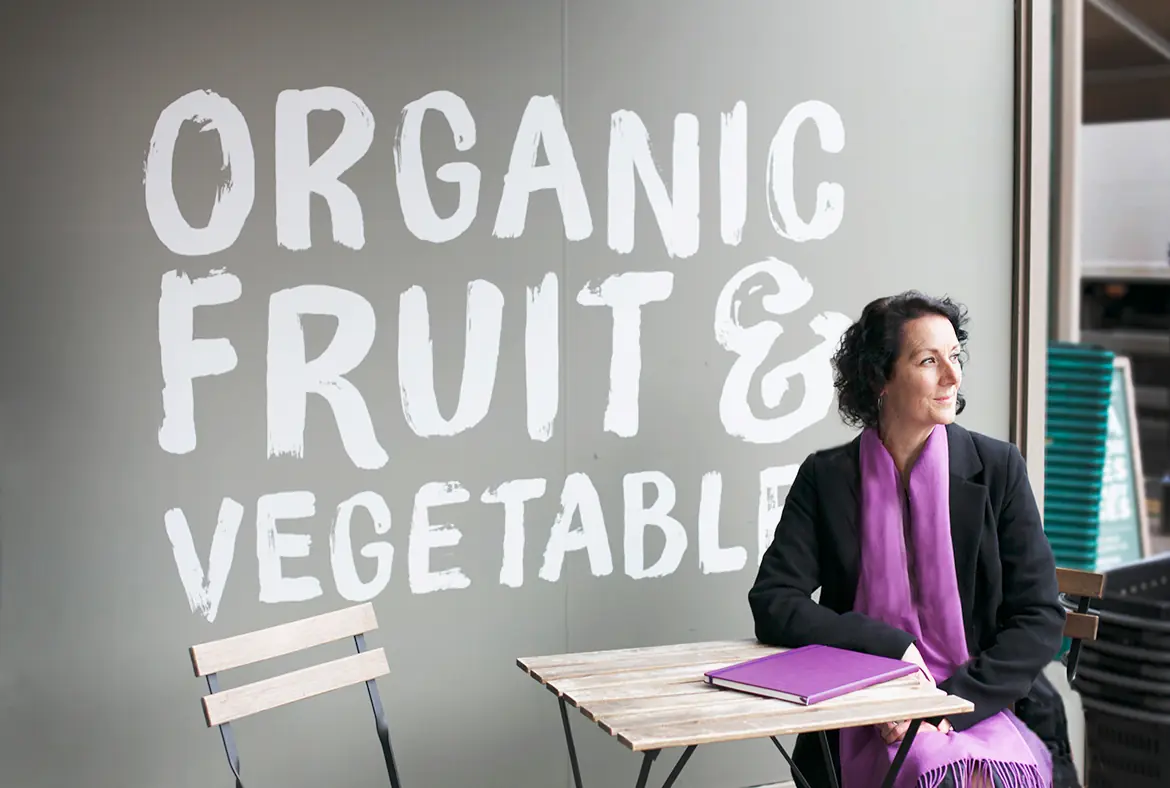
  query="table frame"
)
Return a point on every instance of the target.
[
  {"x": 649, "y": 756},
  {"x": 694, "y": 655}
]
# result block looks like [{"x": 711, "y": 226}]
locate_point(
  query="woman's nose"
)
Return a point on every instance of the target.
[{"x": 951, "y": 372}]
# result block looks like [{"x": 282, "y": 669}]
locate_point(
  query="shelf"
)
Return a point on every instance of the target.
[
  {"x": 1127, "y": 341},
  {"x": 1153, "y": 398},
  {"x": 1155, "y": 271}
]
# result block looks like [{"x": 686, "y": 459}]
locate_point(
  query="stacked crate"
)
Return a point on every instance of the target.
[
  {"x": 1076, "y": 427},
  {"x": 1123, "y": 678}
]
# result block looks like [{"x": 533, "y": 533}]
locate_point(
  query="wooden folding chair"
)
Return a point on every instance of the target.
[
  {"x": 1080, "y": 586},
  {"x": 222, "y": 707}
]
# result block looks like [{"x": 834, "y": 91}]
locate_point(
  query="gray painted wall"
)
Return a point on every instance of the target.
[{"x": 95, "y": 684}]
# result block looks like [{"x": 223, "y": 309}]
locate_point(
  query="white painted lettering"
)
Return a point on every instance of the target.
[
  {"x": 638, "y": 517},
  {"x": 291, "y": 378},
  {"x": 273, "y": 546},
  {"x": 416, "y": 360},
  {"x": 677, "y": 213},
  {"x": 233, "y": 201},
  {"x": 578, "y": 496},
  {"x": 542, "y": 357},
  {"x": 773, "y": 485},
  {"x": 713, "y": 558},
  {"x": 780, "y": 177},
  {"x": 752, "y": 345},
  {"x": 184, "y": 358},
  {"x": 418, "y": 210},
  {"x": 543, "y": 123},
  {"x": 345, "y": 573},
  {"x": 426, "y": 536},
  {"x": 733, "y": 174},
  {"x": 626, "y": 294},
  {"x": 513, "y": 495},
  {"x": 297, "y": 179},
  {"x": 205, "y": 590}
]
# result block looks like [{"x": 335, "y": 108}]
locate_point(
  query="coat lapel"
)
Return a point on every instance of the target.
[
  {"x": 843, "y": 510},
  {"x": 969, "y": 500}
]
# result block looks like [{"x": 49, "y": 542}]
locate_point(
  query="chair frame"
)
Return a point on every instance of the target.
[
  {"x": 1081, "y": 625},
  {"x": 210, "y": 658}
]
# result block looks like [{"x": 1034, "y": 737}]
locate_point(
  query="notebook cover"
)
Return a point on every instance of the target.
[{"x": 814, "y": 673}]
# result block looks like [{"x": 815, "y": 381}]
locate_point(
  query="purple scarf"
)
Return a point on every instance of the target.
[{"x": 1000, "y": 749}]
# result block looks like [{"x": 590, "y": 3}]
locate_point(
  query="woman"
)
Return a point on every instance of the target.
[{"x": 927, "y": 545}]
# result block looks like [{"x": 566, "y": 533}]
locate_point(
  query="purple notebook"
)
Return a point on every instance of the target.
[{"x": 809, "y": 674}]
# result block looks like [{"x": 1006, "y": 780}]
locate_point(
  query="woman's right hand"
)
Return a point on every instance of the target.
[
  {"x": 914, "y": 656},
  {"x": 893, "y": 732}
]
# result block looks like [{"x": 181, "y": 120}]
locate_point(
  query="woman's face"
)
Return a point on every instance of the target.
[{"x": 923, "y": 390}]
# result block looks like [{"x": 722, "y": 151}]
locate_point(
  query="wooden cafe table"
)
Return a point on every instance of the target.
[{"x": 654, "y": 698}]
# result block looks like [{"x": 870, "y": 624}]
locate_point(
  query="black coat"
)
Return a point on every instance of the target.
[{"x": 1003, "y": 562}]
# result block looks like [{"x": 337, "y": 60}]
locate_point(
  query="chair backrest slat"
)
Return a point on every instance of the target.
[
  {"x": 233, "y": 704},
  {"x": 277, "y": 641},
  {"x": 1076, "y": 582},
  {"x": 1080, "y": 626}
]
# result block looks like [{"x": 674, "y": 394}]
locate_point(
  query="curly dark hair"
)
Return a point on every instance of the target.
[{"x": 865, "y": 358}]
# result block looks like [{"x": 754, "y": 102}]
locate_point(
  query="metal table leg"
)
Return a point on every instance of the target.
[
  {"x": 797, "y": 777},
  {"x": 647, "y": 757},
  {"x": 829, "y": 767},
  {"x": 903, "y": 751},
  {"x": 678, "y": 766},
  {"x": 569, "y": 741},
  {"x": 891, "y": 774},
  {"x": 647, "y": 761}
]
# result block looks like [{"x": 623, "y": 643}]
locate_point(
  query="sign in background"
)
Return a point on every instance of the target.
[
  {"x": 513, "y": 318},
  {"x": 1124, "y": 535}
]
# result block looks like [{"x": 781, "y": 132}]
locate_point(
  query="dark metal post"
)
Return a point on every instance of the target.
[
  {"x": 569, "y": 742},
  {"x": 380, "y": 720}
]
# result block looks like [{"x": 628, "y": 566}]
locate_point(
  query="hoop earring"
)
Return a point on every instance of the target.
[{"x": 881, "y": 402}]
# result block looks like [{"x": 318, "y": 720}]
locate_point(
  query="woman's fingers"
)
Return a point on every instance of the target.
[{"x": 894, "y": 732}]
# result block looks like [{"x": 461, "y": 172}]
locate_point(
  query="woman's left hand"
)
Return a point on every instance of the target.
[{"x": 894, "y": 732}]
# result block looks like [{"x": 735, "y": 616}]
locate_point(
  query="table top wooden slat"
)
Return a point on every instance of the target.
[
  {"x": 724, "y": 703},
  {"x": 655, "y": 697},
  {"x": 639, "y": 654},
  {"x": 732, "y": 651},
  {"x": 659, "y": 675},
  {"x": 632, "y": 691},
  {"x": 797, "y": 719}
]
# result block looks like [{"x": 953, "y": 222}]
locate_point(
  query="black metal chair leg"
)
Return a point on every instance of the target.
[
  {"x": 1074, "y": 651},
  {"x": 226, "y": 735},
  {"x": 381, "y": 726}
]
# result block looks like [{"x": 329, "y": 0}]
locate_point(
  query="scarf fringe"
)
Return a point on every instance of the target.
[{"x": 994, "y": 774}]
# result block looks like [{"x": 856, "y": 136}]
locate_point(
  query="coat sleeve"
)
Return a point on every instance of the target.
[
  {"x": 1031, "y": 618},
  {"x": 791, "y": 569}
]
